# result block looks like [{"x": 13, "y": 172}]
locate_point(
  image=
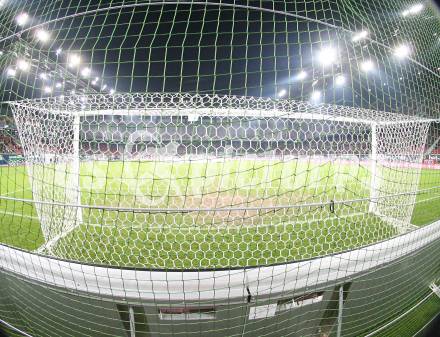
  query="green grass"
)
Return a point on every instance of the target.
[
  {"x": 204, "y": 239},
  {"x": 427, "y": 209},
  {"x": 413, "y": 322}
]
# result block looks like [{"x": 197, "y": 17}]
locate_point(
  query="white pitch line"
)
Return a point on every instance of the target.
[
  {"x": 18, "y": 215},
  {"x": 206, "y": 227},
  {"x": 13, "y": 192}
]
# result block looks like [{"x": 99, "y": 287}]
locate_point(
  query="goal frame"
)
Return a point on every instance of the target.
[{"x": 185, "y": 105}]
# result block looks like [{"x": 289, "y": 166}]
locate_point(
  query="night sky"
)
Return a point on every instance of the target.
[{"x": 228, "y": 50}]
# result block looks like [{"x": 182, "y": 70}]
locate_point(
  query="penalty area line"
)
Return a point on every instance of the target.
[
  {"x": 19, "y": 215},
  {"x": 137, "y": 226}
]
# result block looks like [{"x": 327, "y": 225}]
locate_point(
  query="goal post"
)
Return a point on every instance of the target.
[
  {"x": 51, "y": 148},
  {"x": 76, "y": 175},
  {"x": 373, "y": 170},
  {"x": 397, "y": 150}
]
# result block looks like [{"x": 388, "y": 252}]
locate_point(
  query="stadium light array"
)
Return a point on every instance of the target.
[
  {"x": 413, "y": 10},
  {"x": 360, "y": 36},
  {"x": 328, "y": 56},
  {"x": 23, "y": 65},
  {"x": 22, "y": 19},
  {"x": 42, "y": 35},
  {"x": 367, "y": 66},
  {"x": 402, "y": 51}
]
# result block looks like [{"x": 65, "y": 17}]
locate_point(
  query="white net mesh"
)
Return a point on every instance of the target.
[
  {"x": 215, "y": 181},
  {"x": 233, "y": 168}
]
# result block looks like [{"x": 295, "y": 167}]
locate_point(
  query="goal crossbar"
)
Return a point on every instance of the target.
[{"x": 209, "y": 106}]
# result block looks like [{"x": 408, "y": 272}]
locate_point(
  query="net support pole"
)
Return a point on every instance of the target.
[
  {"x": 76, "y": 165},
  {"x": 432, "y": 147},
  {"x": 340, "y": 308},
  {"x": 373, "y": 169},
  {"x": 132, "y": 321},
  {"x": 435, "y": 289}
]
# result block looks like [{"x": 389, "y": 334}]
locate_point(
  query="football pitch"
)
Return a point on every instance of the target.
[{"x": 212, "y": 215}]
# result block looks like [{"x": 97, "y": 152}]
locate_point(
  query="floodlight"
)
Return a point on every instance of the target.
[
  {"x": 112, "y": 91},
  {"x": 367, "y": 66},
  {"x": 301, "y": 75},
  {"x": 58, "y": 51},
  {"x": 22, "y": 19},
  {"x": 360, "y": 36},
  {"x": 85, "y": 72},
  {"x": 58, "y": 85},
  {"x": 47, "y": 89},
  {"x": 413, "y": 10},
  {"x": 42, "y": 35},
  {"x": 282, "y": 93},
  {"x": 340, "y": 80},
  {"x": 23, "y": 65},
  {"x": 402, "y": 51},
  {"x": 11, "y": 72},
  {"x": 73, "y": 60},
  {"x": 417, "y": 8},
  {"x": 328, "y": 56},
  {"x": 43, "y": 76},
  {"x": 316, "y": 96}
]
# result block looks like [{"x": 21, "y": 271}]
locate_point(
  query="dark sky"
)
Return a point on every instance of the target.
[{"x": 234, "y": 51}]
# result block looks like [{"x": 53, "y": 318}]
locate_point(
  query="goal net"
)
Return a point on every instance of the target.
[
  {"x": 236, "y": 167},
  {"x": 103, "y": 167}
]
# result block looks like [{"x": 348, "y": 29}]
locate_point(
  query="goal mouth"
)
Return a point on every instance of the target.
[{"x": 201, "y": 181}]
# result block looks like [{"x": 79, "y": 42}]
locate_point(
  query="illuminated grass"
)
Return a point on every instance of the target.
[{"x": 208, "y": 239}]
